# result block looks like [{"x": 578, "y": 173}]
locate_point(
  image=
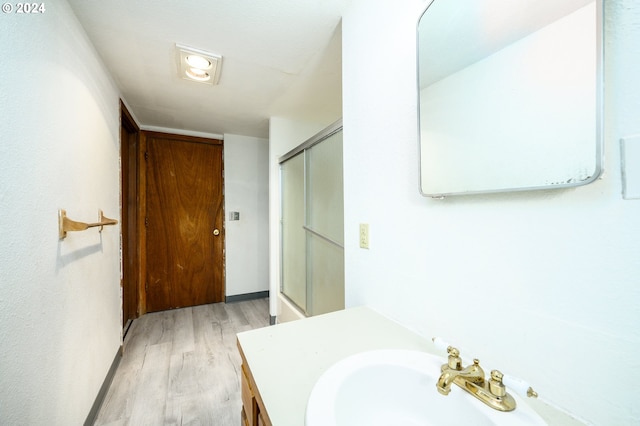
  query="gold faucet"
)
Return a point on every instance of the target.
[{"x": 472, "y": 379}]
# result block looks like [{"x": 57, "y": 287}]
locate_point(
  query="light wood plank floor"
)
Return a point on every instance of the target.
[{"x": 182, "y": 367}]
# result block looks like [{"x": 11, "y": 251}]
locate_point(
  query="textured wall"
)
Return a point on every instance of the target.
[
  {"x": 59, "y": 300},
  {"x": 246, "y": 190},
  {"x": 543, "y": 285}
]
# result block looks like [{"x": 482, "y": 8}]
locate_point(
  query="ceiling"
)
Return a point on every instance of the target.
[{"x": 277, "y": 55}]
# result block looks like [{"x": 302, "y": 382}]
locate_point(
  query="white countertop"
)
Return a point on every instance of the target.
[{"x": 286, "y": 360}]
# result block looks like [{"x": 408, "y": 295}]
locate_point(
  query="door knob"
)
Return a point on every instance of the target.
[{"x": 216, "y": 232}]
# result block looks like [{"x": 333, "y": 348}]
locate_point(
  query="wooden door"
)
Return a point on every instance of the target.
[
  {"x": 184, "y": 221},
  {"x": 129, "y": 210}
]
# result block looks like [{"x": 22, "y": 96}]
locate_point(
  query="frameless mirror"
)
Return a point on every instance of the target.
[{"x": 510, "y": 95}]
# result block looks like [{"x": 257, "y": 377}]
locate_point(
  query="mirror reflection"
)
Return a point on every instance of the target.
[{"x": 509, "y": 95}]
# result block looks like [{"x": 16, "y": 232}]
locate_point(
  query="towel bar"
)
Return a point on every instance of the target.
[{"x": 65, "y": 224}]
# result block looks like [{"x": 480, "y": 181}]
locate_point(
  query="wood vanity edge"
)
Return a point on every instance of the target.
[{"x": 254, "y": 387}]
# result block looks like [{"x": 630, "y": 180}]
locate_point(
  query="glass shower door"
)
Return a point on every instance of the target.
[
  {"x": 325, "y": 227},
  {"x": 312, "y": 224}
]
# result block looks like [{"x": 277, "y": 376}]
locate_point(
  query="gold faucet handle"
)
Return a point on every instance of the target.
[
  {"x": 496, "y": 387},
  {"x": 454, "y": 361},
  {"x": 453, "y": 351}
]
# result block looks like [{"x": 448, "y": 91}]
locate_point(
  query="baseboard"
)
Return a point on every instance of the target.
[
  {"x": 246, "y": 296},
  {"x": 102, "y": 393},
  {"x": 126, "y": 328}
]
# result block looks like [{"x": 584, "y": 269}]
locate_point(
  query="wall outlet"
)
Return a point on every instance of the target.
[{"x": 364, "y": 235}]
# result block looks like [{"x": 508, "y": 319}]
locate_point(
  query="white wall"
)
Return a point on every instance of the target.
[
  {"x": 246, "y": 188},
  {"x": 60, "y": 324},
  {"x": 543, "y": 285}
]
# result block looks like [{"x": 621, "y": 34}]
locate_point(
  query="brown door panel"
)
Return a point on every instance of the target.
[{"x": 184, "y": 206}]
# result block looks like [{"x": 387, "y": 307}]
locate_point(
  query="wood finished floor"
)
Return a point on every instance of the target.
[{"x": 182, "y": 367}]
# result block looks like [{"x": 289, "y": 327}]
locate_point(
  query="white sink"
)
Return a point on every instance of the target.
[{"x": 398, "y": 388}]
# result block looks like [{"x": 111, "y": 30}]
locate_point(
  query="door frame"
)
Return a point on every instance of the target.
[
  {"x": 129, "y": 239},
  {"x": 139, "y": 252}
]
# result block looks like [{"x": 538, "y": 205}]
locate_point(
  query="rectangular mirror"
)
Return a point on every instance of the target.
[{"x": 510, "y": 95}]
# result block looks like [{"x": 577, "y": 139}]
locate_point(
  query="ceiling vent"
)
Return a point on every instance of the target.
[{"x": 198, "y": 65}]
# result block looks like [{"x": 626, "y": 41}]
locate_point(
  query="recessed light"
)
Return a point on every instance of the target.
[{"x": 198, "y": 65}]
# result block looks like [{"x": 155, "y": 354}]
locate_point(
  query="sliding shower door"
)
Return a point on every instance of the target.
[
  {"x": 325, "y": 226},
  {"x": 313, "y": 224}
]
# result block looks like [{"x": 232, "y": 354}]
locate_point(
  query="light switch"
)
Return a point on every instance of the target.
[
  {"x": 234, "y": 215},
  {"x": 630, "y": 163}
]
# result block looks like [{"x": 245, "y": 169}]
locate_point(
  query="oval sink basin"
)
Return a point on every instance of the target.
[{"x": 396, "y": 388}]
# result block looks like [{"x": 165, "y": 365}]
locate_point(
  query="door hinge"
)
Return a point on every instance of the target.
[
  {"x": 146, "y": 155},
  {"x": 146, "y": 222}
]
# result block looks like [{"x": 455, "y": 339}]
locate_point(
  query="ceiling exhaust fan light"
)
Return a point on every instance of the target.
[{"x": 198, "y": 65}]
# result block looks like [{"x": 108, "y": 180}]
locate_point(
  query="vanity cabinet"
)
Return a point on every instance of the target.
[{"x": 253, "y": 412}]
